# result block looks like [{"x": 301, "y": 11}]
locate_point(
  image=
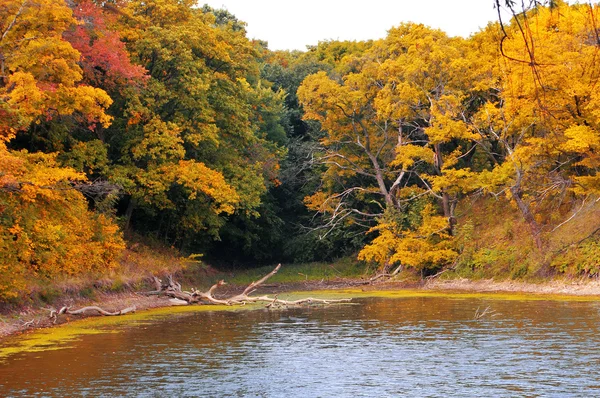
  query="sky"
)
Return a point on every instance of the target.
[{"x": 292, "y": 25}]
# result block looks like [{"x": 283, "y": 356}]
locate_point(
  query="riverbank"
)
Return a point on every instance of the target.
[
  {"x": 553, "y": 287},
  {"x": 30, "y": 318}
]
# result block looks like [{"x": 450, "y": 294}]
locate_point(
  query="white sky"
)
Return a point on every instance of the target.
[{"x": 291, "y": 25}]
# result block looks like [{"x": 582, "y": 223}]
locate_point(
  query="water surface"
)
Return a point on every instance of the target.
[{"x": 379, "y": 347}]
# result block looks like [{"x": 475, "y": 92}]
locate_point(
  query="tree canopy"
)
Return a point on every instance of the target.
[{"x": 163, "y": 120}]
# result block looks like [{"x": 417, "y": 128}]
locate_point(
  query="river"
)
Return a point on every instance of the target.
[{"x": 429, "y": 346}]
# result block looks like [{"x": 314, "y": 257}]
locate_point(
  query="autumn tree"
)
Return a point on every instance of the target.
[
  {"x": 395, "y": 135},
  {"x": 46, "y": 228},
  {"x": 198, "y": 141},
  {"x": 39, "y": 71},
  {"x": 541, "y": 127}
]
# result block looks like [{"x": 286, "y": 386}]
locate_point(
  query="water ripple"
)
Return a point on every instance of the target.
[{"x": 424, "y": 347}]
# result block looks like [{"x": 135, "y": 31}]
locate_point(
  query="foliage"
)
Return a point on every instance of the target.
[
  {"x": 581, "y": 260},
  {"x": 171, "y": 121},
  {"x": 201, "y": 135},
  {"x": 419, "y": 114},
  {"x": 394, "y": 132},
  {"x": 46, "y": 228},
  {"x": 39, "y": 71},
  {"x": 540, "y": 129},
  {"x": 426, "y": 244}
]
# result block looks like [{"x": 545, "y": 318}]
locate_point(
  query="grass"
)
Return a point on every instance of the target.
[
  {"x": 294, "y": 273},
  {"x": 496, "y": 243}
]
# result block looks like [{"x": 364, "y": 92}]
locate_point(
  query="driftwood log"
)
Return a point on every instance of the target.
[
  {"x": 178, "y": 296},
  {"x": 67, "y": 310},
  {"x": 173, "y": 289}
]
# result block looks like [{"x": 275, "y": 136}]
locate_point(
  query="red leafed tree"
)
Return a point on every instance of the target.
[{"x": 104, "y": 58}]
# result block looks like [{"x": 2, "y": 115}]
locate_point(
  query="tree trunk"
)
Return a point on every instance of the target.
[
  {"x": 448, "y": 212},
  {"x": 128, "y": 214},
  {"x": 446, "y": 205},
  {"x": 527, "y": 215}
]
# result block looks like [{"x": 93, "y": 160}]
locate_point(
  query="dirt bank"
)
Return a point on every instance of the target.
[{"x": 558, "y": 287}]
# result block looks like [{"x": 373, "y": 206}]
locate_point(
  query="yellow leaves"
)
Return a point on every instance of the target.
[
  {"x": 454, "y": 181},
  {"x": 429, "y": 245},
  {"x": 499, "y": 177},
  {"x": 432, "y": 224},
  {"x": 79, "y": 241},
  {"x": 555, "y": 81},
  {"x": 314, "y": 93},
  {"x": 204, "y": 132},
  {"x": 329, "y": 102},
  {"x": 162, "y": 142},
  {"x": 42, "y": 68},
  {"x": 321, "y": 202},
  {"x": 586, "y": 185},
  {"x": 23, "y": 103},
  {"x": 161, "y": 12},
  {"x": 581, "y": 139},
  {"x": 50, "y": 60},
  {"x": 444, "y": 129},
  {"x": 446, "y": 121},
  {"x": 89, "y": 101},
  {"x": 33, "y": 176},
  {"x": 46, "y": 228},
  {"x": 397, "y": 100},
  {"x": 406, "y": 155},
  {"x": 422, "y": 56},
  {"x": 33, "y": 19},
  {"x": 26, "y": 102},
  {"x": 196, "y": 178},
  {"x": 382, "y": 247},
  {"x": 585, "y": 142}
]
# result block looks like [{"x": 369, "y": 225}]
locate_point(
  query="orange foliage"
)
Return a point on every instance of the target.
[{"x": 46, "y": 228}]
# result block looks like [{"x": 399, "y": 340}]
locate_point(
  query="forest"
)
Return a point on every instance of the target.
[{"x": 160, "y": 123}]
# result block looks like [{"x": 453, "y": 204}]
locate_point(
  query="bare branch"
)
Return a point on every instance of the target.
[
  {"x": 67, "y": 310},
  {"x": 173, "y": 290},
  {"x": 12, "y": 23}
]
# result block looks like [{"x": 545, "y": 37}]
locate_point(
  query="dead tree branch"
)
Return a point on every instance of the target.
[
  {"x": 173, "y": 290},
  {"x": 67, "y": 310}
]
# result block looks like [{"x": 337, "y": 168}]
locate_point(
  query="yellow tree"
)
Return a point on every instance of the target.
[
  {"x": 46, "y": 228},
  {"x": 395, "y": 133},
  {"x": 39, "y": 70},
  {"x": 542, "y": 126}
]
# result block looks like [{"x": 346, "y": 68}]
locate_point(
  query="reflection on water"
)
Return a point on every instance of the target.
[{"x": 379, "y": 348}]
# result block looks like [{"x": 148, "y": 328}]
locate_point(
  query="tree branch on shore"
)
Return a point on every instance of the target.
[
  {"x": 173, "y": 289},
  {"x": 179, "y": 296},
  {"x": 67, "y": 310}
]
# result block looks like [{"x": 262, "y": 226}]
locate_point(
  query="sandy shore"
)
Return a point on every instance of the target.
[
  {"x": 558, "y": 287},
  {"x": 27, "y": 319}
]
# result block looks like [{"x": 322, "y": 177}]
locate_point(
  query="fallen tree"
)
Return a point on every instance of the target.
[{"x": 173, "y": 289}]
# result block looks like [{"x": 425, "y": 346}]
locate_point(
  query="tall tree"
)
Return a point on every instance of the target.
[
  {"x": 46, "y": 228},
  {"x": 542, "y": 123},
  {"x": 395, "y": 133},
  {"x": 203, "y": 112}
]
